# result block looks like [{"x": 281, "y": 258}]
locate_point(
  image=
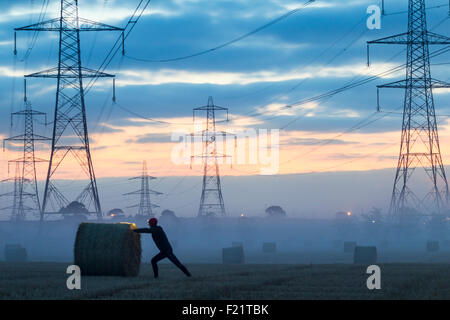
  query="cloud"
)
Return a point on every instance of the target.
[
  {"x": 315, "y": 141},
  {"x": 94, "y": 10},
  {"x": 151, "y": 138},
  {"x": 280, "y": 109},
  {"x": 141, "y": 77}
]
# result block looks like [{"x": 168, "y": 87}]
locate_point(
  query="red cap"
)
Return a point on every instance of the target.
[{"x": 152, "y": 222}]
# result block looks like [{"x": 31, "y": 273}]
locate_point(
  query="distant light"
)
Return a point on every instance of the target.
[
  {"x": 112, "y": 214},
  {"x": 373, "y": 221},
  {"x": 349, "y": 213},
  {"x": 242, "y": 214}
]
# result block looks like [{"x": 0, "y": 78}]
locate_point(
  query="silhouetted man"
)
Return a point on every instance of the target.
[{"x": 161, "y": 241}]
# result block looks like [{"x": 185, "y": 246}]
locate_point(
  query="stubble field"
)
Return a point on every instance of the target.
[{"x": 35, "y": 280}]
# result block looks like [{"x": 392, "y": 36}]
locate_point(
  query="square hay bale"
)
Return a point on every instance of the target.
[
  {"x": 108, "y": 249},
  {"x": 233, "y": 255},
  {"x": 15, "y": 253},
  {"x": 432, "y": 246},
  {"x": 269, "y": 247},
  {"x": 365, "y": 255},
  {"x": 349, "y": 246}
]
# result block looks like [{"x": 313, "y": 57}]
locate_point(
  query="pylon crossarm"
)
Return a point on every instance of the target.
[
  {"x": 144, "y": 176},
  {"x": 156, "y": 193},
  {"x": 69, "y": 73},
  {"x": 132, "y": 193},
  {"x": 23, "y": 137},
  {"x": 405, "y": 38},
  {"x": 27, "y": 112},
  {"x": 139, "y": 206},
  {"x": 55, "y": 25},
  {"x": 25, "y": 160},
  {"x": 209, "y": 133},
  {"x": 217, "y": 155},
  {"x": 8, "y": 194},
  {"x": 430, "y": 38},
  {"x": 214, "y": 107},
  {"x": 138, "y": 192},
  {"x": 416, "y": 83},
  {"x": 135, "y": 206},
  {"x": 24, "y": 194}
]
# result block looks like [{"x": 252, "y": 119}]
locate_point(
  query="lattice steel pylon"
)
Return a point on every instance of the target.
[
  {"x": 70, "y": 133},
  {"x": 211, "y": 201},
  {"x": 26, "y": 196},
  {"x": 145, "y": 205},
  {"x": 419, "y": 139},
  {"x": 17, "y": 208}
]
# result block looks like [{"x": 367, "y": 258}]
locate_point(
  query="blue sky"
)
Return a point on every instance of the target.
[{"x": 244, "y": 77}]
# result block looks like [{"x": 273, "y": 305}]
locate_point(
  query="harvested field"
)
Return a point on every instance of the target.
[{"x": 35, "y": 280}]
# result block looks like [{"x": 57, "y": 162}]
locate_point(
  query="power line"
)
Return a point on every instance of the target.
[
  {"x": 36, "y": 33},
  {"x": 134, "y": 19},
  {"x": 372, "y": 78}
]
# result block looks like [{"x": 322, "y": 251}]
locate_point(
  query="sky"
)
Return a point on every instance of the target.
[{"x": 319, "y": 48}]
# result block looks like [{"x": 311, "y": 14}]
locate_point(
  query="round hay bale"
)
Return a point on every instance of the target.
[{"x": 108, "y": 249}]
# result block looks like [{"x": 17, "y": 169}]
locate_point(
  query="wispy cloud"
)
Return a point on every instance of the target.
[{"x": 165, "y": 76}]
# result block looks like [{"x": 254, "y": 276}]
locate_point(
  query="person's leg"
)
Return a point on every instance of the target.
[
  {"x": 155, "y": 260},
  {"x": 177, "y": 262}
]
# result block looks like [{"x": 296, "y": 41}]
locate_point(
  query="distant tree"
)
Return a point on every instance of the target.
[
  {"x": 74, "y": 207},
  {"x": 168, "y": 216},
  {"x": 410, "y": 216},
  {"x": 275, "y": 211},
  {"x": 374, "y": 216},
  {"x": 168, "y": 213},
  {"x": 341, "y": 215}
]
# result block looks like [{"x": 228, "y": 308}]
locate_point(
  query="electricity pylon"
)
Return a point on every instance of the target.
[
  {"x": 70, "y": 133},
  {"x": 145, "y": 206},
  {"x": 419, "y": 139},
  {"x": 17, "y": 208},
  {"x": 211, "y": 201},
  {"x": 26, "y": 196}
]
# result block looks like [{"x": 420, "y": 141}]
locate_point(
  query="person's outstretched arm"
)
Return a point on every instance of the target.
[{"x": 143, "y": 230}]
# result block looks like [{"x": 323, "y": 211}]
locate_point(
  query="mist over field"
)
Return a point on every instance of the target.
[
  {"x": 315, "y": 195},
  {"x": 298, "y": 240},
  {"x": 311, "y": 232}
]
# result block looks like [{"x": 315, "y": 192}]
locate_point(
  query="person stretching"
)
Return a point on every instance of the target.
[{"x": 161, "y": 241}]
